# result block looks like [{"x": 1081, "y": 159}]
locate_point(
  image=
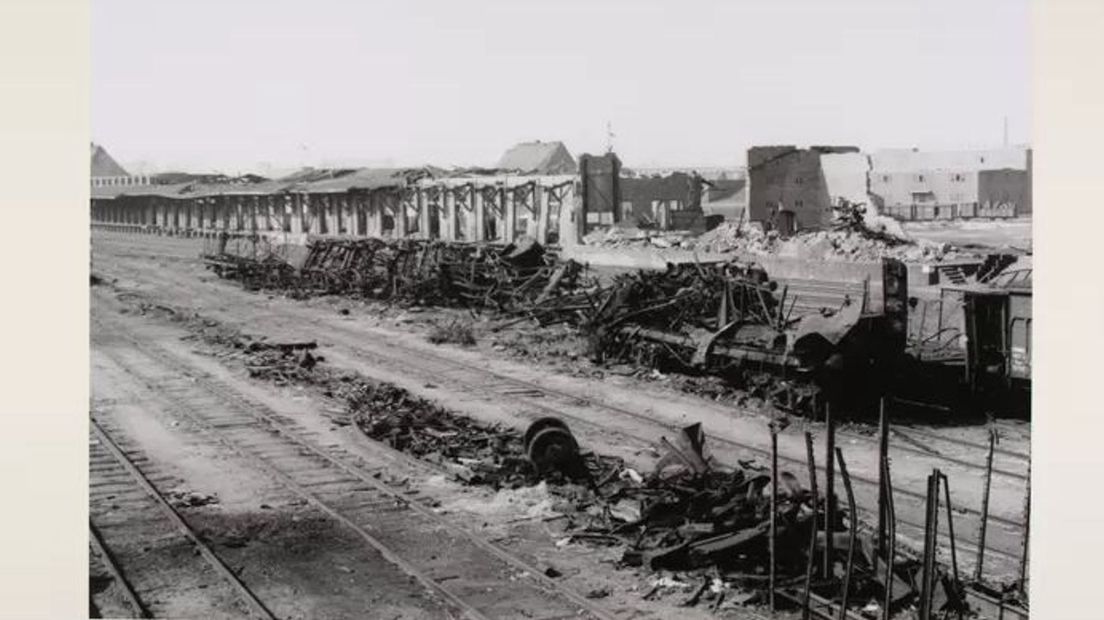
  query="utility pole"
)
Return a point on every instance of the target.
[
  {"x": 1006, "y": 130},
  {"x": 609, "y": 137}
]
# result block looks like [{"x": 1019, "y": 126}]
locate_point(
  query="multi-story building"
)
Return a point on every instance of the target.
[
  {"x": 910, "y": 184},
  {"x": 793, "y": 189}
]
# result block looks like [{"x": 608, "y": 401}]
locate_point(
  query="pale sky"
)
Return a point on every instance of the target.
[{"x": 233, "y": 85}]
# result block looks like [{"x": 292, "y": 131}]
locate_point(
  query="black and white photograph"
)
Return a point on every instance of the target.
[{"x": 560, "y": 309}]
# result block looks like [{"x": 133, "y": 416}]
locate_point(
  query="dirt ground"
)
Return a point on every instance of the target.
[
  {"x": 1014, "y": 233},
  {"x": 161, "y": 270}
]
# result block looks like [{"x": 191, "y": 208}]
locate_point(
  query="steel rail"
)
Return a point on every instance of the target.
[
  {"x": 263, "y": 413},
  {"x": 254, "y": 603}
]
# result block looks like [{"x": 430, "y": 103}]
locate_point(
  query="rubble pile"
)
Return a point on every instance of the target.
[
  {"x": 854, "y": 235},
  {"x": 617, "y": 236},
  {"x": 867, "y": 244}
]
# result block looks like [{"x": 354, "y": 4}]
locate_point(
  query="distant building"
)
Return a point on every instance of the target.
[
  {"x": 726, "y": 197},
  {"x": 105, "y": 171},
  {"x": 909, "y": 184},
  {"x": 539, "y": 158},
  {"x": 793, "y": 189}
]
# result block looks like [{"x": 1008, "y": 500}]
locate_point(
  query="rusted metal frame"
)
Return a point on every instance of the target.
[
  {"x": 853, "y": 525},
  {"x": 891, "y": 535},
  {"x": 810, "y": 560},
  {"x": 984, "y": 521}
]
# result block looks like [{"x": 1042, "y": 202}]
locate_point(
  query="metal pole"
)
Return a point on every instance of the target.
[
  {"x": 853, "y": 523},
  {"x": 773, "y": 509},
  {"x": 829, "y": 489},
  {"x": 931, "y": 529},
  {"x": 985, "y": 504},
  {"x": 891, "y": 523},
  {"x": 950, "y": 534},
  {"x": 883, "y": 451},
  {"x": 811, "y": 558},
  {"x": 1027, "y": 529}
]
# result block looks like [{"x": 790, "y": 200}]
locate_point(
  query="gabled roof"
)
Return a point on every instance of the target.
[
  {"x": 538, "y": 158},
  {"x": 103, "y": 165}
]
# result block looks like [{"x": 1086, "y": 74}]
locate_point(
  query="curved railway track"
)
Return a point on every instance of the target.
[{"x": 495, "y": 582}]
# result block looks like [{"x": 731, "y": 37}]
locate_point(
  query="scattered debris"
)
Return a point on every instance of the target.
[
  {"x": 190, "y": 499},
  {"x": 452, "y": 332}
]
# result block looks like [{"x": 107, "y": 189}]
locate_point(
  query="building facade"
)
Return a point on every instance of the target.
[
  {"x": 934, "y": 185},
  {"x": 793, "y": 189}
]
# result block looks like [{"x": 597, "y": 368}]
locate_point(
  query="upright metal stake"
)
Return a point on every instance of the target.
[
  {"x": 931, "y": 530},
  {"x": 853, "y": 525},
  {"x": 891, "y": 522},
  {"x": 950, "y": 534},
  {"x": 883, "y": 451},
  {"x": 773, "y": 509},
  {"x": 985, "y": 504},
  {"x": 829, "y": 488},
  {"x": 1027, "y": 529},
  {"x": 811, "y": 558}
]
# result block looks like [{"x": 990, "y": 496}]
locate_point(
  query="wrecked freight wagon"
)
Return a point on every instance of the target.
[{"x": 730, "y": 319}]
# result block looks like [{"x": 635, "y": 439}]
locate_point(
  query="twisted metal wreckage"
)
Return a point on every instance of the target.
[
  {"x": 754, "y": 527},
  {"x": 719, "y": 318}
]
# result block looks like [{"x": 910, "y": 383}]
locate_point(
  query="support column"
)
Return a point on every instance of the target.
[
  {"x": 477, "y": 224},
  {"x": 402, "y": 206},
  {"x": 543, "y": 200},
  {"x": 509, "y": 209},
  {"x": 374, "y": 216},
  {"x": 448, "y": 208},
  {"x": 294, "y": 213},
  {"x": 423, "y": 213}
]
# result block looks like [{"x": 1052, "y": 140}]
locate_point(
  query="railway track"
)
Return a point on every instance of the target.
[
  {"x": 544, "y": 400},
  {"x": 431, "y": 549},
  {"x": 126, "y": 506}
]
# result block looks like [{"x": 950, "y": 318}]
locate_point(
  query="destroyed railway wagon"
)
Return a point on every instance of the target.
[
  {"x": 978, "y": 359},
  {"x": 730, "y": 319},
  {"x": 997, "y": 365}
]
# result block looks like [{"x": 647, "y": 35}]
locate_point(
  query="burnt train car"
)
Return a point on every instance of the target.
[
  {"x": 784, "y": 339},
  {"x": 997, "y": 334}
]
